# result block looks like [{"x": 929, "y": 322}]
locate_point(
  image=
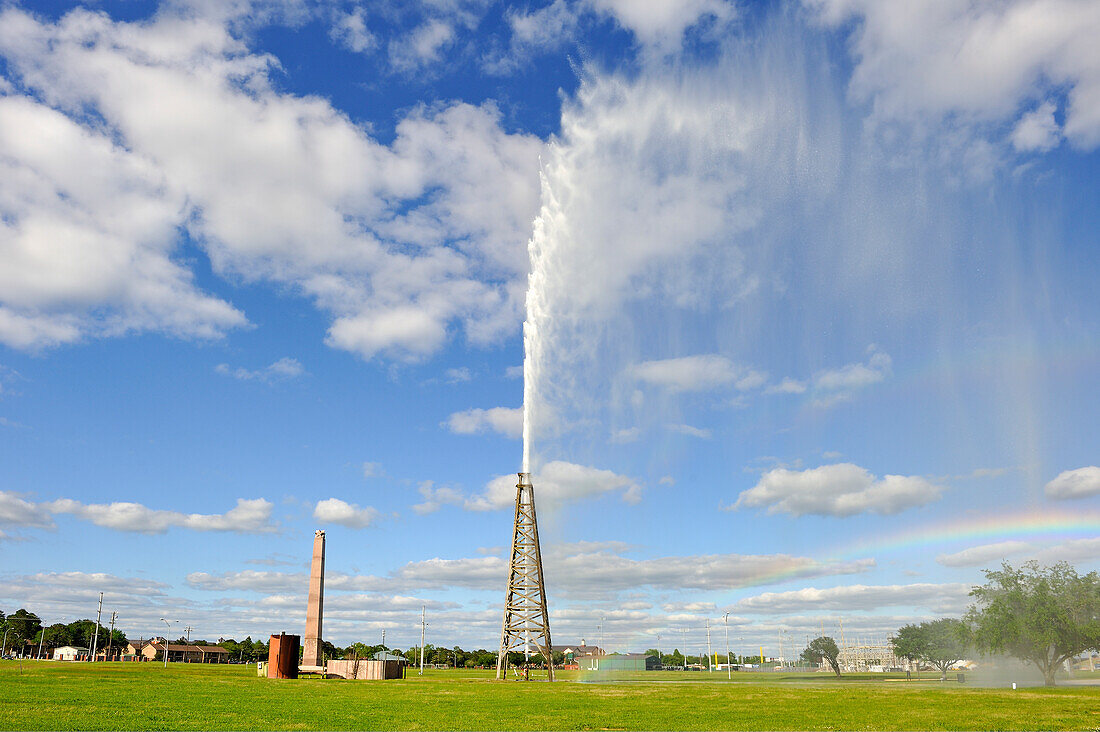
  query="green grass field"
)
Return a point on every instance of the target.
[{"x": 54, "y": 695}]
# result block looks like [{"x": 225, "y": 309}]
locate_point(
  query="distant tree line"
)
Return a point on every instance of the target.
[
  {"x": 1040, "y": 615},
  {"x": 1044, "y": 616}
]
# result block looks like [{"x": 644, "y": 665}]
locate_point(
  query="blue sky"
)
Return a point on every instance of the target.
[{"x": 810, "y": 293}]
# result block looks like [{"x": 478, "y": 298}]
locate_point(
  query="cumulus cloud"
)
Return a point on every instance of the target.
[
  {"x": 834, "y": 385},
  {"x": 336, "y": 511},
  {"x": 283, "y": 369},
  {"x": 249, "y": 516},
  {"x": 984, "y": 555},
  {"x": 581, "y": 569},
  {"x": 696, "y": 373},
  {"x": 982, "y": 61},
  {"x": 349, "y": 29},
  {"x": 687, "y": 429},
  {"x": 1074, "y": 550},
  {"x": 506, "y": 421},
  {"x": 435, "y": 497},
  {"x": 839, "y": 490},
  {"x": 659, "y": 25},
  {"x": 555, "y": 483},
  {"x": 1079, "y": 483},
  {"x": 1037, "y": 130},
  {"x": 941, "y": 598},
  {"x": 17, "y": 511},
  {"x": 273, "y": 187}
]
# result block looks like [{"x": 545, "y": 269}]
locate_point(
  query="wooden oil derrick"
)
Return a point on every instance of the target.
[{"x": 525, "y": 617}]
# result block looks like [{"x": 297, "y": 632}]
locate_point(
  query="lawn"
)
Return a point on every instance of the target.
[{"x": 56, "y": 695}]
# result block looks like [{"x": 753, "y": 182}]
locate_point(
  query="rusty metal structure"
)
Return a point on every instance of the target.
[
  {"x": 525, "y": 617},
  {"x": 282, "y": 656}
]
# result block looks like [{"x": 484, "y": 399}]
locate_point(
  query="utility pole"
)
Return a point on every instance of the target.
[
  {"x": 729, "y": 666},
  {"x": 188, "y": 630},
  {"x": 710, "y": 653},
  {"x": 99, "y": 613},
  {"x": 169, "y": 625},
  {"x": 423, "y": 625},
  {"x": 659, "y": 659},
  {"x": 41, "y": 637},
  {"x": 111, "y": 635},
  {"x": 383, "y": 643}
]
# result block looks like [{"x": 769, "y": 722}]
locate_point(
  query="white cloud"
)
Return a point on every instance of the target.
[
  {"x": 981, "y": 556},
  {"x": 17, "y": 511},
  {"x": 506, "y": 421},
  {"x": 423, "y": 47},
  {"x": 349, "y": 29},
  {"x": 1074, "y": 550},
  {"x": 660, "y": 24},
  {"x": 626, "y": 435},
  {"x": 435, "y": 497},
  {"x": 787, "y": 386},
  {"x": 249, "y": 516},
  {"x": 556, "y": 483},
  {"x": 696, "y": 373},
  {"x": 283, "y": 369},
  {"x": 843, "y": 489},
  {"x": 577, "y": 570},
  {"x": 513, "y": 372},
  {"x": 371, "y": 470},
  {"x": 457, "y": 376},
  {"x": 1037, "y": 130},
  {"x": 855, "y": 375},
  {"x": 336, "y": 511},
  {"x": 539, "y": 31},
  {"x": 1079, "y": 483},
  {"x": 87, "y": 230},
  {"x": 981, "y": 60},
  {"x": 395, "y": 241},
  {"x": 943, "y": 598},
  {"x": 687, "y": 429}
]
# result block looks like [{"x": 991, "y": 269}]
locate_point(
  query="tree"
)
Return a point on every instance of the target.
[
  {"x": 825, "y": 648},
  {"x": 57, "y": 635},
  {"x": 24, "y": 626},
  {"x": 939, "y": 643},
  {"x": 1042, "y": 615}
]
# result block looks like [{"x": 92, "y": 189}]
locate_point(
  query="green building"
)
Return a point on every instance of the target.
[{"x": 620, "y": 662}]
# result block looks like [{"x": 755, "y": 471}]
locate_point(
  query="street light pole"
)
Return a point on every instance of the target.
[
  {"x": 166, "y": 640},
  {"x": 729, "y": 666}
]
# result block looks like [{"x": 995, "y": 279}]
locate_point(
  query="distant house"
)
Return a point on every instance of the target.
[
  {"x": 69, "y": 653},
  {"x": 184, "y": 653},
  {"x": 134, "y": 648},
  {"x": 574, "y": 653},
  {"x": 620, "y": 662}
]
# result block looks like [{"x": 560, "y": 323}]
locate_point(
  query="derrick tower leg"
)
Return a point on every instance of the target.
[{"x": 525, "y": 617}]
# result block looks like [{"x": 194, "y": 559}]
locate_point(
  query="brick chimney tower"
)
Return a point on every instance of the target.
[{"x": 311, "y": 655}]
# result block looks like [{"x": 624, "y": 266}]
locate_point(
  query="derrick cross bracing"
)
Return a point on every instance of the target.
[{"x": 525, "y": 617}]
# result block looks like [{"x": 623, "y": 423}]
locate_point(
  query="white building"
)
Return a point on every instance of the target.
[{"x": 69, "y": 653}]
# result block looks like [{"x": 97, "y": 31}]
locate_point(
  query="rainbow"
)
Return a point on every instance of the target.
[{"x": 1026, "y": 523}]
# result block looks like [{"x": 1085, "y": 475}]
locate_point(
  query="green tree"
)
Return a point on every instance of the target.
[
  {"x": 939, "y": 643},
  {"x": 57, "y": 635},
  {"x": 946, "y": 644},
  {"x": 24, "y": 626},
  {"x": 823, "y": 647},
  {"x": 1042, "y": 615}
]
